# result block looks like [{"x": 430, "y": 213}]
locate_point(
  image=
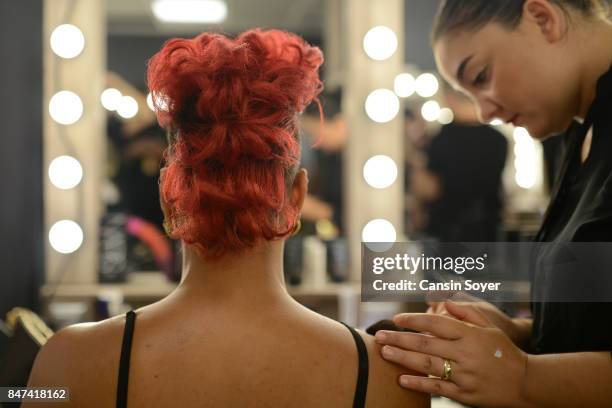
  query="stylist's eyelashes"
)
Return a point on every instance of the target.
[{"x": 480, "y": 79}]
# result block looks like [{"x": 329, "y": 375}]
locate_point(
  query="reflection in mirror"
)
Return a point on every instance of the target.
[{"x": 133, "y": 237}]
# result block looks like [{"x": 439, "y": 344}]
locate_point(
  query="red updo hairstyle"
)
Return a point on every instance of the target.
[{"x": 231, "y": 107}]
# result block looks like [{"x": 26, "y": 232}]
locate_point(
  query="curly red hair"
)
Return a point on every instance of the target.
[{"x": 232, "y": 106}]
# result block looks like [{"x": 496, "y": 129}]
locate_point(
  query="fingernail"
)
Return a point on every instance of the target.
[
  {"x": 387, "y": 352},
  {"x": 381, "y": 336},
  {"x": 404, "y": 380},
  {"x": 399, "y": 317}
]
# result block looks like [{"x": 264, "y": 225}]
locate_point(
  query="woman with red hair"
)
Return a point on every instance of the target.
[{"x": 230, "y": 335}]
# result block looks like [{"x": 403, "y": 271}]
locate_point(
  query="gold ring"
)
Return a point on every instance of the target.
[{"x": 447, "y": 370}]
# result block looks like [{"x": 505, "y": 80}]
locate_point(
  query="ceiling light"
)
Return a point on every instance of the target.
[{"x": 189, "y": 11}]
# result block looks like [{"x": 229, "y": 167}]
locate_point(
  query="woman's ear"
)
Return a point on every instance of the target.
[
  {"x": 299, "y": 190},
  {"x": 548, "y": 17}
]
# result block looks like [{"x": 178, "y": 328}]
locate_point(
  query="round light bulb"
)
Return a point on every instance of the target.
[
  {"x": 446, "y": 116},
  {"x": 128, "y": 107},
  {"x": 427, "y": 85},
  {"x": 65, "y": 172},
  {"x": 380, "y": 43},
  {"x": 65, "y": 107},
  {"x": 382, "y": 105},
  {"x": 66, "y": 236},
  {"x": 430, "y": 111},
  {"x": 404, "y": 85},
  {"x": 67, "y": 41},
  {"x": 380, "y": 171},
  {"x": 150, "y": 102},
  {"x": 379, "y": 235},
  {"x": 525, "y": 179},
  {"x": 111, "y": 98}
]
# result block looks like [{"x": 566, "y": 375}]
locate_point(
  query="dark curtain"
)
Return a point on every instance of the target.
[{"x": 22, "y": 238}]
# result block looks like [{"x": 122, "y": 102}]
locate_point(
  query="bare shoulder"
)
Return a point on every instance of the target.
[
  {"x": 81, "y": 357},
  {"x": 383, "y": 384}
]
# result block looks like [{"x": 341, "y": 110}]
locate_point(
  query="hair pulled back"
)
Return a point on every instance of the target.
[
  {"x": 471, "y": 15},
  {"x": 231, "y": 107}
]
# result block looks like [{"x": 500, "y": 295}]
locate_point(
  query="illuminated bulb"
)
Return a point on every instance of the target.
[
  {"x": 189, "y": 11},
  {"x": 67, "y": 41},
  {"x": 446, "y": 116},
  {"x": 380, "y": 171},
  {"x": 427, "y": 85},
  {"x": 111, "y": 98},
  {"x": 150, "y": 102},
  {"x": 65, "y": 236},
  {"x": 404, "y": 85},
  {"x": 65, "y": 172},
  {"x": 128, "y": 107},
  {"x": 525, "y": 180},
  {"x": 382, "y": 105},
  {"x": 378, "y": 235},
  {"x": 525, "y": 162},
  {"x": 380, "y": 43},
  {"x": 430, "y": 111},
  {"x": 65, "y": 107}
]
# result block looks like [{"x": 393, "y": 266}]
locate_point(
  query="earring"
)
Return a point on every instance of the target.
[
  {"x": 298, "y": 227},
  {"x": 167, "y": 228}
]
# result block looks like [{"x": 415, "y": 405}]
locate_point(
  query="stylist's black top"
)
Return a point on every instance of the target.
[
  {"x": 580, "y": 211},
  {"x": 126, "y": 348}
]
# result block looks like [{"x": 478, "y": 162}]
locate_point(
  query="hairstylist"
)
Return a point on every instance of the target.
[{"x": 543, "y": 65}]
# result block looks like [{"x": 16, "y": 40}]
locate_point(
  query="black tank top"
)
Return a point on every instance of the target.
[{"x": 126, "y": 348}]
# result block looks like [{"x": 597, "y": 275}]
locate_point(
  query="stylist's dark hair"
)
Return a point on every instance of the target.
[{"x": 472, "y": 15}]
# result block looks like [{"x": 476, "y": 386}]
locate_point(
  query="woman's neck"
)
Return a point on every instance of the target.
[
  {"x": 595, "y": 44},
  {"x": 251, "y": 279}
]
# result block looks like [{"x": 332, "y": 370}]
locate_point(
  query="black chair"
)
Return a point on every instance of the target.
[{"x": 21, "y": 337}]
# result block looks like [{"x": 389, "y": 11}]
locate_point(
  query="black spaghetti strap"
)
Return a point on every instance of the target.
[
  {"x": 124, "y": 362},
  {"x": 362, "y": 376}
]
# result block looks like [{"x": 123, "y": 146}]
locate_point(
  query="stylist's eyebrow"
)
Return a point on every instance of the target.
[{"x": 461, "y": 69}]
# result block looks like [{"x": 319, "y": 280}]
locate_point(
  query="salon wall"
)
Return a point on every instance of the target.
[
  {"x": 21, "y": 173},
  {"x": 419, "y": 15}
]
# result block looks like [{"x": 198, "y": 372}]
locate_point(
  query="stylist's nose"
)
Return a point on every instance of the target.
[{"x": 487, "y": 110}]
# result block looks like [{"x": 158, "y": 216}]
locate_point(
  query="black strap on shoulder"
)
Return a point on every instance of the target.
[
  {"x": 124, "y": 362},
  {"x": 364, "y": 368}
]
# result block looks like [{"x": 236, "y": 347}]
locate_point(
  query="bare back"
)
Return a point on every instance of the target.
[{"x": 282, "y": 357}]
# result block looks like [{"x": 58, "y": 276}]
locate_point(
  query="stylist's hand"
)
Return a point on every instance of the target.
[
  {"x": 514, "y": 329},
  {"x": 487, "y": 368}
]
